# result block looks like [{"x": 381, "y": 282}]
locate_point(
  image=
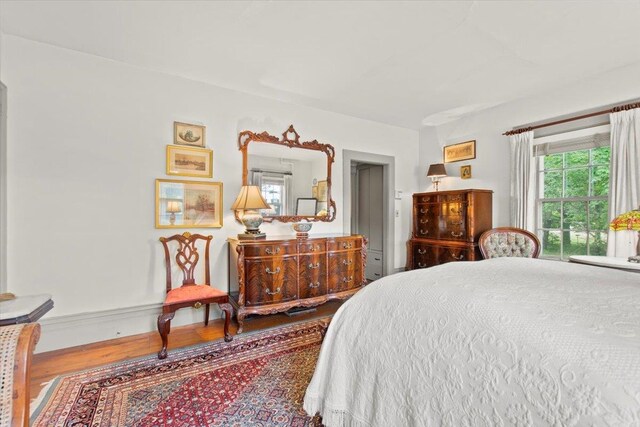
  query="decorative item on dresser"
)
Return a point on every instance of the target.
[
  {"x": 447, "y": 225},
  {"x": 280, "y": 273},
  {"x": 436, "y": 172}
]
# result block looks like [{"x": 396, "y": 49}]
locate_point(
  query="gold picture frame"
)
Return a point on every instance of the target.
[
  {"x": 458, "y": 152},
  {"x": 314, "y": 191},
  {"x": 189, "y": 134},
  {"x": 322, "y": 191},
  {"x": 189, "y": 161},
  {"x": 188, "y": 204},
  {"x": 465, "y": 172}
]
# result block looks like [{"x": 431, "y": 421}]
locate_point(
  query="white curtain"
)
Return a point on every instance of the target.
[
  {"x": 289, "y": 203},
  {"x": 624, "y": 178},
  {"x": 522, "y": 181}
]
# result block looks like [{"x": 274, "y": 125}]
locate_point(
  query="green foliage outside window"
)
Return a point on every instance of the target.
[{"x": 574, "y": 206}]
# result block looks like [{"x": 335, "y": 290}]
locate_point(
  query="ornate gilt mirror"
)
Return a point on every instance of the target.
[{"x": 294, "y": 177}]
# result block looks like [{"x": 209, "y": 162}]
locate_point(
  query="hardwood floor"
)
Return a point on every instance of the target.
[{"x": 46, "y": 366}]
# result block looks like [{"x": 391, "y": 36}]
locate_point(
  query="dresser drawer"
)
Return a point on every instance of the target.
[
  {"x": 460, "y": 197},
  {"x": 271, "y": 280},
  {"x": 311, "y": 247},
  {"x": 449, "y": 254},
  {"x": 424, "y": 255},
  {"x": 345, "y": 271},
  {"x": 345, "y": 243},
  {"x": 269, "y": 250},
  {"x": 312, "y": 271},
  {"x": 453, "y": 228},
  {"x": 425, "y": 198}
]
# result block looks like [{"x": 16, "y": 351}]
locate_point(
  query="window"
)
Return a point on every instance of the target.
[
  {"x": 572, "y": 202},
  {"x": 273, "y": 191}
]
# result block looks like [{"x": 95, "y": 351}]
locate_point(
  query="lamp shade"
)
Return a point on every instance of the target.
[
  {"x": 436, "y": 170},
  {"x": 626, "y": 221},
  {"x": 173, "y": 206},
  {"x": 249, "y": 198}
]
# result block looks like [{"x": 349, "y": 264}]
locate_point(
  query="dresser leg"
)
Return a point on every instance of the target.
[
  {"x": 240, "y": 318},
  {"x": 226, "y": 308}
]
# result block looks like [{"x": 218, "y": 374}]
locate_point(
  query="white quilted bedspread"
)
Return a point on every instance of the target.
[{"x": 502, "y": 342}]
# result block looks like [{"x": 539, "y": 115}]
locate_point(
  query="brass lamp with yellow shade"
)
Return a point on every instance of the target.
[
  {"x": 247, "y": 204},
  {"x": 628, "y": 221}
]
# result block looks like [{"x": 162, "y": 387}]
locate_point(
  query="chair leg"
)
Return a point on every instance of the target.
[
  {"x": 227, "y": 317},
  {"x": 206, "y": 315},
  {"x": 164, "y": 327}
]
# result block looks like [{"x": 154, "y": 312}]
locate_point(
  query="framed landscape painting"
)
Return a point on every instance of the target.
[
  {"x": 188, "y": 161},
  {"x": 188, "y": 134},
  {"x": 457, "y": 152},
  {"x": 188, "y": 204}
]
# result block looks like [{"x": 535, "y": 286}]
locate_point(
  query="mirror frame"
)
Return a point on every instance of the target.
[{"x": 291, "y": 139}]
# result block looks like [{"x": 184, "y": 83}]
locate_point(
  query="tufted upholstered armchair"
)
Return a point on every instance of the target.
[{"x": 509, "y": 242}]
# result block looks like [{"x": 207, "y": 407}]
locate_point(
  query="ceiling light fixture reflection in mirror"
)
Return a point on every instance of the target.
[{"x": 288, "y": 171}]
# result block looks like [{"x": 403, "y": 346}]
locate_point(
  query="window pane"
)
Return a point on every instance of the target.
[
  {"x": 551, "y": 215},
  {"x": 598, "y": 214},
  {"x": 577, "y": 158},
  {"x": 600, "y": 181},
  {"x": 551, "y": 243},
  {"x": 598, "y": 243},
  {"x": 577, "y": 182},
  {"x": 552, "y": 185},
  {"x": 552, "y": 161},
  {"x": 600, "y": 156},
  {"x": 577, "y": 244},
  {"x": 575, "y": 216}
]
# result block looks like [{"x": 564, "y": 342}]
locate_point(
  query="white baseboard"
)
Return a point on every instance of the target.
[{"x": 84, "y": 328}]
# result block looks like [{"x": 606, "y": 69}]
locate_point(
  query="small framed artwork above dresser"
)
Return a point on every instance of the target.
[{"x": 447, "y": 226}]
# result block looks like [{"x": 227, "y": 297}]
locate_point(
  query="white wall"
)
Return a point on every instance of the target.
[
  {"x": 490, "y": 169},
  {"x": 86, "y": 140}
]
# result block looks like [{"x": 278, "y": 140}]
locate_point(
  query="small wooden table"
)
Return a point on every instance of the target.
[
  {"x": 24, "y": 309},
  {"x": 606, "y": 261}
]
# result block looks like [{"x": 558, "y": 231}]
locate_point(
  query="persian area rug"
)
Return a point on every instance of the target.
[{"x": 258, "y": 379}]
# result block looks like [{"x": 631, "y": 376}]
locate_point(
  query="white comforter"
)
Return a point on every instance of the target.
[{"x": 508, "y": 341}]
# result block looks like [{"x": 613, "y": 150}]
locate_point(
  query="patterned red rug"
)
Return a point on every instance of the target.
[{"x": 257, "y": 379}]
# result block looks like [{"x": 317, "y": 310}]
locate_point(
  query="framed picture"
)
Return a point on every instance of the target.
[
  {"x": 322, "y": 191},
  {"x": 188, "y": 134},
  {"x": 314, "y": 191},
  {"x": 188, "y": 204},
  {"x": 465, "y": 172},
  {"x": 188, "y": 161},
  {"x": 306, "y": 206},
  {"x": 462, "y": 151}
]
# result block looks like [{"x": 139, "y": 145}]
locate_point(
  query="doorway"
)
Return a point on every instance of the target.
[{"x": 369, "y": 207}]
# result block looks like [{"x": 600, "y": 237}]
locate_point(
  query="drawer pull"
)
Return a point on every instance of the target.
[
  {"x": 422, "y": 210},
  {"x": 454, "y": 223},
  {"x": 377, "y": 259},
  {"x": 347, "y": 245},
  {"x": 424, "y": 231},
  {"x": 314, "y": 248},
  {"x": 270, "y": 252},
  {"x": 272, "y": 272},
  {"x": 424, "y": 221},
  {"x": 277, "y": 291},
  {"x": 312, "y": 286},
  {"x": 347, "y": 262},
  {"x": 314, "y": 266},
  {"x": 347, "y": 279},
  {"x": 454, "y": 234},
  {"x": 454, "y": 256},
  {"x": 422, "y": 251},
  {"x": 376, "y": 274},
  {"x": 421, "y": 265},
  {"x": 454, "y": 211}
]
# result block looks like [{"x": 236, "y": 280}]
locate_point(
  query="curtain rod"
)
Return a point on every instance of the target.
[
  {"x": 268, "y": 171},
  {"x": 571, "y": 119}
]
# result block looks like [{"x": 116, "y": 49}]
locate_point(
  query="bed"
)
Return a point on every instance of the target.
[{"x": 500, "y": 342}]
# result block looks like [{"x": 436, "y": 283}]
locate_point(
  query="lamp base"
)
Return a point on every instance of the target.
[{"x": 251, "y": 236}]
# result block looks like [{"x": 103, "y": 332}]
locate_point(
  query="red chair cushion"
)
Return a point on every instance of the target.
[{"x": 192, "y": 293}]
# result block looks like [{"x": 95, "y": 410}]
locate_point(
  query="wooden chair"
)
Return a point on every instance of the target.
[
  {"x": 189, "y": 294},
  {"x": 509, "y": 242},
  {"x": 16, "y": 349}
]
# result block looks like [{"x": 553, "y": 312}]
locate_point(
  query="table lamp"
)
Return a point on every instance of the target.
[
  {"x": 248, "y": 202},
  {"x": 173, "y": 207},
  {"x": 628, "y": 221},
  {"x": 436, "y": 171}
]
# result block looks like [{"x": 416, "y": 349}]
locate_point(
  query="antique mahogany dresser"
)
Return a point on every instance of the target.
[
  {"x": 277, "y": 274},
  {"x": 447, "y": 225}
]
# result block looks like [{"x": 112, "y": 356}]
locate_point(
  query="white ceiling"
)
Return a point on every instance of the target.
[{"x": 404, "y": 63}]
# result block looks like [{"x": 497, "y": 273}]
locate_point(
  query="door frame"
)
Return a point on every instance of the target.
[
  {"x": 3, "y": 188},
  {"x": 388, "y": 200}
]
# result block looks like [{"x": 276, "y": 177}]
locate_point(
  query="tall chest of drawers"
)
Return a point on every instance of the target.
[
  {"x": 447, "y": 225},
  {"x": 277, "y": 274}
]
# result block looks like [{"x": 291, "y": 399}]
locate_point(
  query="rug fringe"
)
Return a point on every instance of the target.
[{"x": 39, "y": 400}]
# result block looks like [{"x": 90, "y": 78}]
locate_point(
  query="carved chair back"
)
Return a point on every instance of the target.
[{"x": 186, "y": 257}]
